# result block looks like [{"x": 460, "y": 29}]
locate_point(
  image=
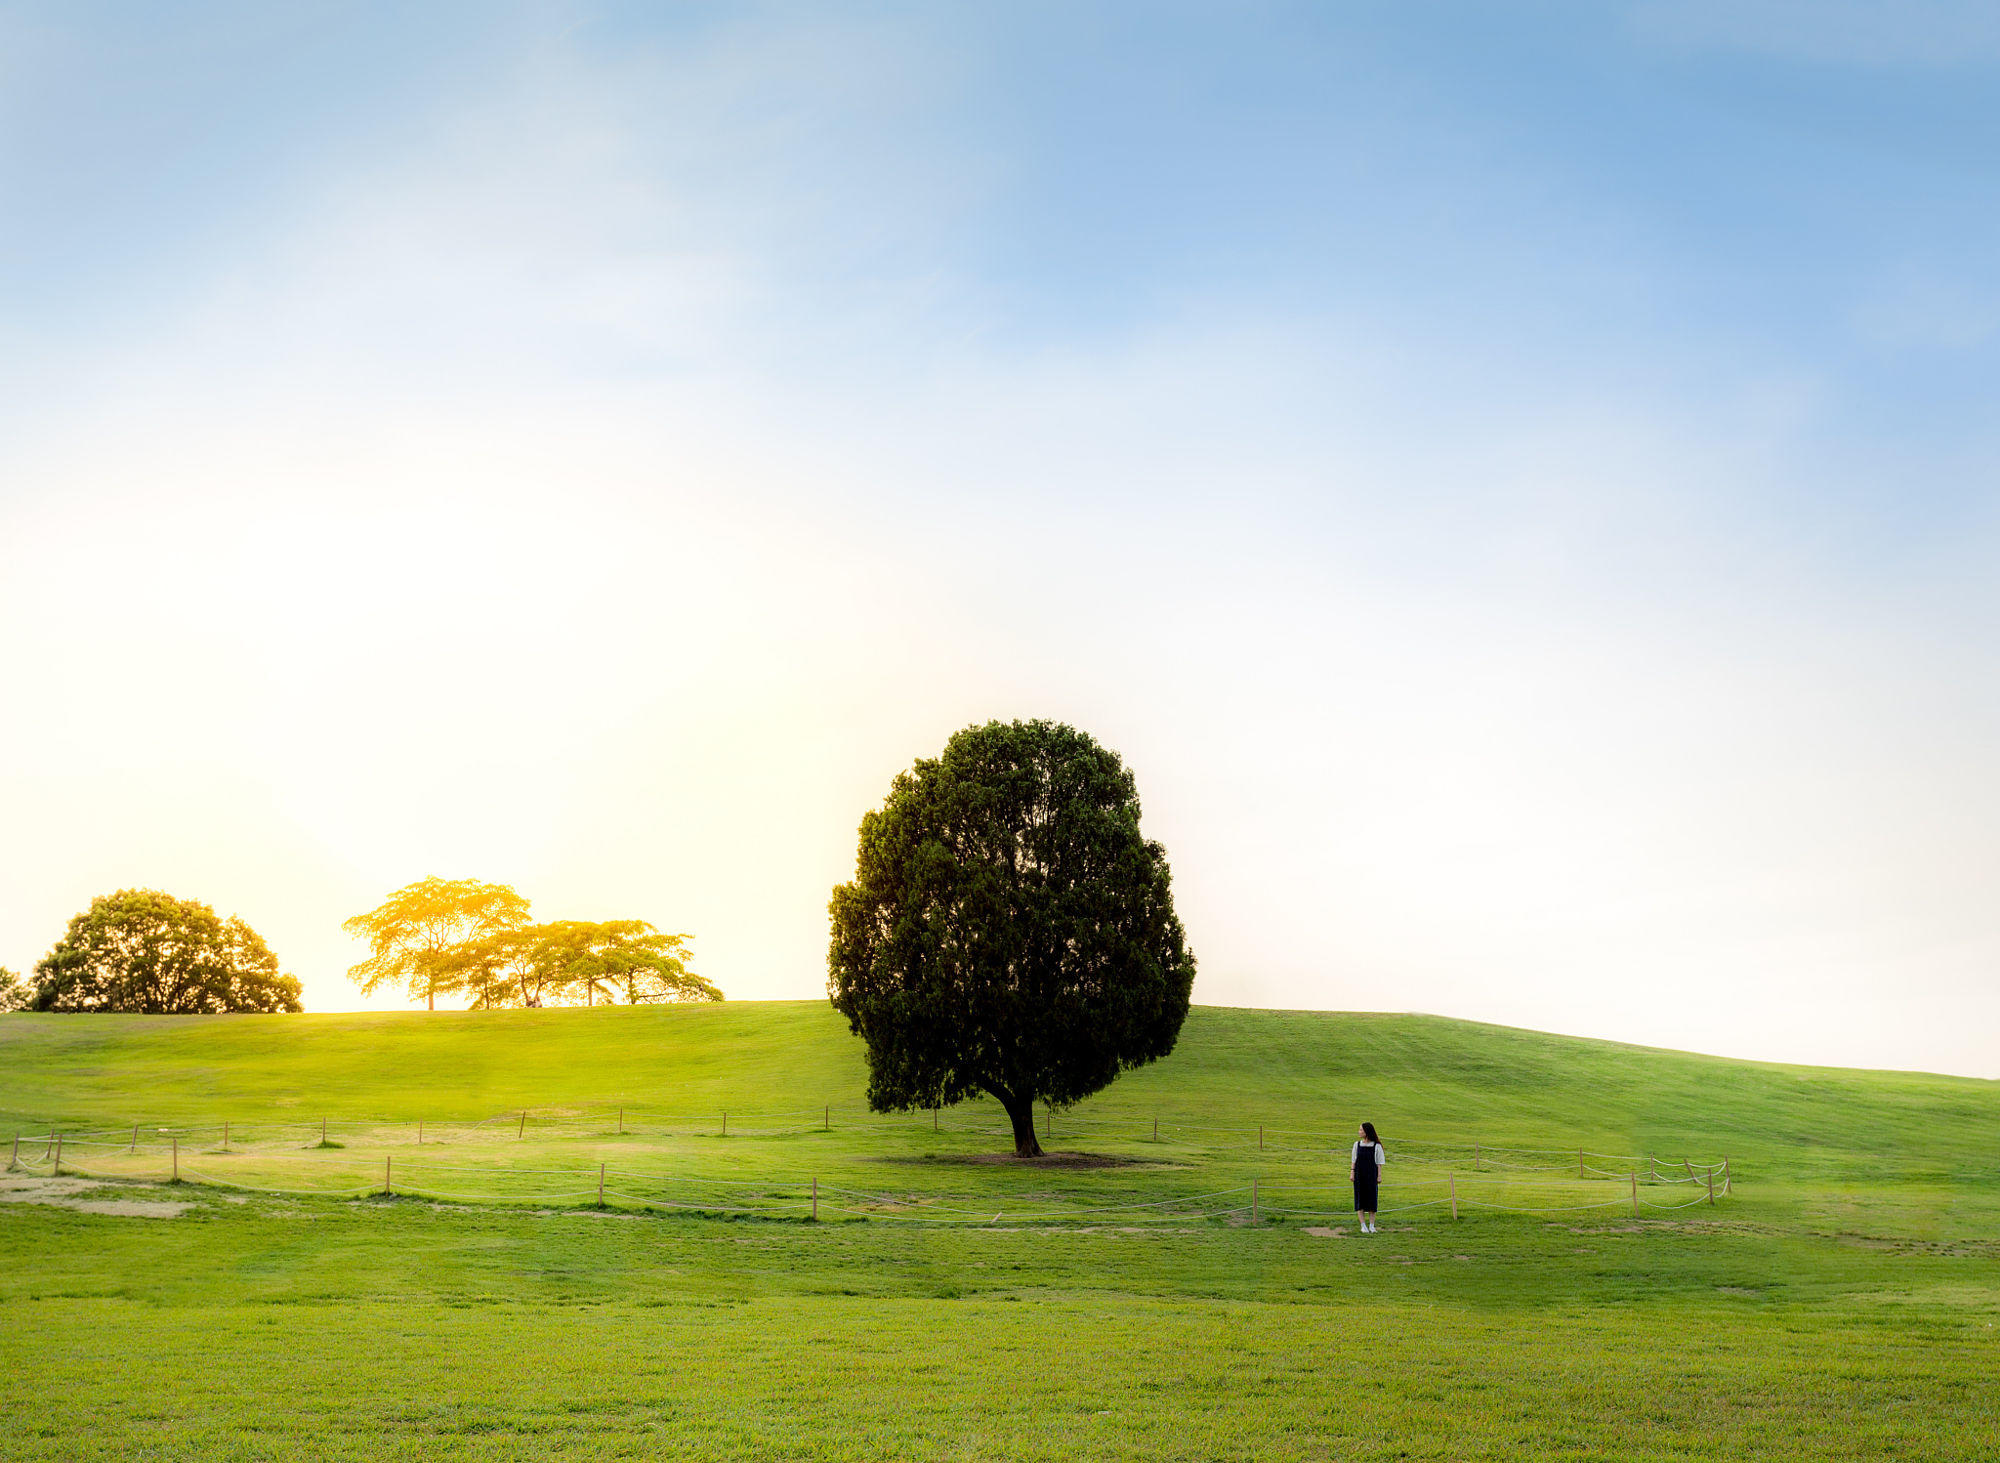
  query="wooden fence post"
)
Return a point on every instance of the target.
[
  {"x": 1711, "y": 1188},
  {"x": 135, "y": 1139},
  {"x": 1454, "y": 1194},
  {"x": 58, "y": 1168},
  {"x": 522, "y": 1130},
  {"x": 1260, "y": 1137},
  {"x": 1156, "y": 1130},
  {"x": 1635, "y": 1193},
  {"x": 725, "y": 1124},
  {"x": 826, "y": 1118},
  {"x": 934, "y": 1120},
  {"x": 621, "y": 1121},
  {"x": 48, "y": 1145},
  {"x": 1689, "y": 1166},
  {"x": 1475, "y": 1158},
  {"x": 177, "y": 1159},
  {"x": 388, "y": 1189},
  {"x": 225, "y": 1137},
  {"x": 420, "y": 1132},
  {"x": 815, "y": 1199},
  {"x": 1253, "y": 1201},
  {"x": 1049, "y": 1123},
  {"x": 600, "y": 1186}
]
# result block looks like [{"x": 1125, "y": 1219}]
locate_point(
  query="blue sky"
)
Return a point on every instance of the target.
[
  {"x": 1516, "y": 480},
  {"x": 1506, "y": 205}
]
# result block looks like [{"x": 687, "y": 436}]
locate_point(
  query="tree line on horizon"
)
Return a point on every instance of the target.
[
  {"x": 446, "y": 937},
  {"x": 146, "y": 952}
]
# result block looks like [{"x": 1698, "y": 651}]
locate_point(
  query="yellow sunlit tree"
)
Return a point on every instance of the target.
[
  {"x": 601, "y": 962},
  {"x": 418, "y": 935}
]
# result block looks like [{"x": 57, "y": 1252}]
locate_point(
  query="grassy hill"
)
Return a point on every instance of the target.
[
  {"x": 1420, "y": 1078},
  {"x": 1842, "y": 1303}
]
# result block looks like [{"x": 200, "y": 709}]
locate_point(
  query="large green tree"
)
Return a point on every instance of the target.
[
  {"x": 15, "y": 994},
  {"x": 141, "y": 950},
  {"x": 418, "y": 936},
  {"x": 1008, "y": 929}
]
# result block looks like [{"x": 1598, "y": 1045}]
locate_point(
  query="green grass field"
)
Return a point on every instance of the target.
[{"x": 1840, "y": 1302}]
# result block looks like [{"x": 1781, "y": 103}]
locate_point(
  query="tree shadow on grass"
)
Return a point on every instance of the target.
[{"x": 1046, "y": 1160}]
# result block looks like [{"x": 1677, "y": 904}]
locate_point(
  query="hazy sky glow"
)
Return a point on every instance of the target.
[{"x": 1518, "y": 484}]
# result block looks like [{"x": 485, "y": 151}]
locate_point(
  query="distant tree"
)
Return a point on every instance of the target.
[
  {"x": 1008, "y": 929},
  {"x": 141, "y": 950},
  {"x": 491, "y": 970},
  {"x": 583, "y": 962},
  {"x": 418, "y": 937},
  {"x": 15, "y": 994}
]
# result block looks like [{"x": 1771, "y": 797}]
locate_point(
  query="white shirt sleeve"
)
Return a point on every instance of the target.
[{"x": 1381, "y": 1155}]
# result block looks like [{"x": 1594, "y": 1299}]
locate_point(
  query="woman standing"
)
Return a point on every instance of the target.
[{"x": 1364, "y": 1167}]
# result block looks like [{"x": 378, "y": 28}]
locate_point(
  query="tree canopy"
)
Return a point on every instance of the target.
[
  {"x": 144, "y": 951},
  {"x": 418, "y": 936},
  {"x": 569, "y": 962},
  {"x": 442, "y": 937},
  {"x": 15, "y": 994},
  {"x": 1008, "y": 929}
]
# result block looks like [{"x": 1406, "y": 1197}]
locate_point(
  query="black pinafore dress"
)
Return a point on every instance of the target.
[{"x": 1366, "y": 1177}]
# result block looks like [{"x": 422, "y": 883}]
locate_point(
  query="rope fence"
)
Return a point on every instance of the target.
[
  {"x": 519, "y": 1125},
  {"x": 421, "y": 1176}
]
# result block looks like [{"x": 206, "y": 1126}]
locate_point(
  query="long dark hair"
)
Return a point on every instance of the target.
[{"x": 1369, "y": 1129}]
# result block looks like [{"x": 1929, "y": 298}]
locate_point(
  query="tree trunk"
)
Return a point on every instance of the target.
[
  {"x": 1021, "y": 1112},
  {"x": 431, "y": 997}
]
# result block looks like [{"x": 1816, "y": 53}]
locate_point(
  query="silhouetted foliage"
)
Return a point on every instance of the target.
[
  {"x": 1008, "y": 929},
  {"x": 143, "y": 951}
]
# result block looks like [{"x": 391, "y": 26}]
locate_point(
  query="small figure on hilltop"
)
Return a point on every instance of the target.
[{"x": 1364, "y": 1167}]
